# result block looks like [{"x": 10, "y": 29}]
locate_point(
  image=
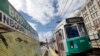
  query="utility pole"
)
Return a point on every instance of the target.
[{"x": 47, "y": 43}]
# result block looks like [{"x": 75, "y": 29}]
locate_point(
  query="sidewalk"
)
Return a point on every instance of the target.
[{"x": 53, "y": 53}]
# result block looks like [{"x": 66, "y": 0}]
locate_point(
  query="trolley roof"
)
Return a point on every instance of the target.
[{"x": 67, "y": 21}]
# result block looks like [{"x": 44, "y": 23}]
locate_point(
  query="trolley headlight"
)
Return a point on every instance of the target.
[{"x": 71, "y": 44}]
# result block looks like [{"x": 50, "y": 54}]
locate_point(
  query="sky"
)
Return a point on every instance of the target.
[{"x": 43, "y": 15}]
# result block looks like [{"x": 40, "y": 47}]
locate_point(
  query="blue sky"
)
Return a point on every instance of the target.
[{"x": 43, "y": 15}]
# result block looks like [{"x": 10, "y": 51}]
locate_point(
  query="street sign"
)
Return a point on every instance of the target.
[{"x": 9, "y": 16}]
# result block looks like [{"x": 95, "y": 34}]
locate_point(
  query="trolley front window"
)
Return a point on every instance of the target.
[{"x": 72, "y": 32}]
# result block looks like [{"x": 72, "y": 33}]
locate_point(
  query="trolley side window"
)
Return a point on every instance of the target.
[
  {"x": 60, "y": 34},
  {"x": 59, "y": 38},
  {"x": 72, "y": 32}
]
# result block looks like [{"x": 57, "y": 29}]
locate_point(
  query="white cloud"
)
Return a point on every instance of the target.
[
  {"x": 18, "y": 4},
  {"x": 45, "y": 35},
  {"x": 33, "y": 25},
  {"x": 42, "y": 11},
  {"x": 35, "y": 9},
  {"x": 38, "y": 8}
]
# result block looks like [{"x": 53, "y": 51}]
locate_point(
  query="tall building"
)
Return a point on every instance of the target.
[{"x": 91, "y": 14}]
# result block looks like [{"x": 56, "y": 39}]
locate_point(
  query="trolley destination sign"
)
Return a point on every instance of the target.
[
  {"x": 10, "y": 17},
  {"x": 72, "y": 20}
]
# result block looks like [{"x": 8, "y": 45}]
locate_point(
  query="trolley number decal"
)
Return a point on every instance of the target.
[{"x": 82, "y": 40}]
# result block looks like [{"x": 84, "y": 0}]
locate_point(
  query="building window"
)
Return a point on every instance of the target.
[
  {"x": 84, "y": 9},
  {"x": 96, "y": 23},
  {"x": 99, "y": 3},
  {"x": 90, "y": 3},
  {"x": 94, "y": 15},
  {"x": 93, "y": 9},
  {"x": 99, "y": 20},
  {"x": 85, "y": 14},
  {"x": 87, "y": 19},
  {"x": 90, "y": 10},
  {"x": 89, "y": 27}
]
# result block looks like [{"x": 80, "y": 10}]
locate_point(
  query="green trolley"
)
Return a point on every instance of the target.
[{"x": 72, "y": 37}]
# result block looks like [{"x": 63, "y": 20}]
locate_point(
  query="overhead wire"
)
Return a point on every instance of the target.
[
  {"x": 75, "y": 9},
  {"x": 63, "y": 9},
  {"x": 63, "y": 14},
  {"x": 64, "y": 6},
  {"x": 67, "y": 8}
]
